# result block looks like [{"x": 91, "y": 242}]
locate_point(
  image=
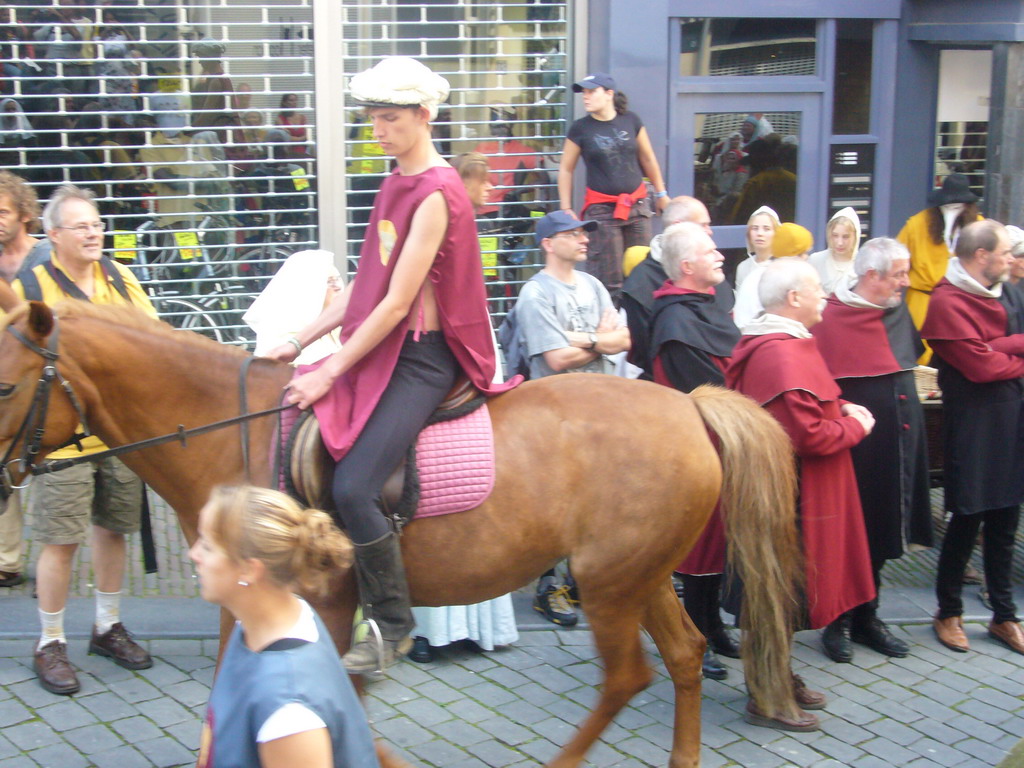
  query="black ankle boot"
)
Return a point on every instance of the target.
[
  {"x": 835, "y": 638},
  {"x": 711, "y": 667},
  {"x": 720, "y": 639}
]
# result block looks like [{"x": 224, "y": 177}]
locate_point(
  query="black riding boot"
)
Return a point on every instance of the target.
[
  {"x": 719, "y": 637},
  {"x": 696, "y": 593},
  {"x": 867, "y": 629},
  {"x": 384, "y": 594}
]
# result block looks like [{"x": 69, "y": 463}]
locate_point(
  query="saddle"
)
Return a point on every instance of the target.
[{"x": 307, "y": 467}]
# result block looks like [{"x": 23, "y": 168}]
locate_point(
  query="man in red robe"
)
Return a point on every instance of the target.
[
  {"x": 777, "y": 363},
  {"x": 975, "y": 329},
  {"x": 870, "y": 345}
]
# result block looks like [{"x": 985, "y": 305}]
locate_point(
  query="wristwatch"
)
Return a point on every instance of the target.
[{"x": 593, "y": 340}]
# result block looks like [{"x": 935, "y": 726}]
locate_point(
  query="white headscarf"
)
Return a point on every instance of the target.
[
  {"x": 400, "y": 81},
  {"x": 14, "y": 124}
]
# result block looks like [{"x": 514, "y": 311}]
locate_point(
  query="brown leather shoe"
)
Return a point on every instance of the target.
[
  {"x": 117, "y": 643},
  {"x": 54, "y": 670},
  {"x": 1009, "y": 632},
  {"x": 805, "y": 697},
  {"x": 951, "y": 633},
  {"x": 805, "y": 722}
]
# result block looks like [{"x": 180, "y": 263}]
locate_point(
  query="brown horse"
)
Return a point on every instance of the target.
[{"x": 619, "y": 476}]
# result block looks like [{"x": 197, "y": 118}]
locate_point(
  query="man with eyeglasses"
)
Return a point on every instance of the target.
[
  {"x": 105, "y": 496},
  {"x": 569, "y": 324}
]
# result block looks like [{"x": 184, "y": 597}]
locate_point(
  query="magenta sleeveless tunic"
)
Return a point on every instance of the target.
[{"x": 457, "y": 278}]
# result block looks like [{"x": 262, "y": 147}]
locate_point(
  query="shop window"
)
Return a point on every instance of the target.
[
  {"x": 851, "y": 105},
  {"x": 747, "y": 47},
  {"x": 743, "y": 160}
]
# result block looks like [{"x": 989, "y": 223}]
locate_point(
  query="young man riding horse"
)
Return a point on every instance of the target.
[{"x": 414, "y": 318}]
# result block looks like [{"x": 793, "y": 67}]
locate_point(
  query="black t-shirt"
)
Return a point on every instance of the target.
[{"x": 609, "y": 151}]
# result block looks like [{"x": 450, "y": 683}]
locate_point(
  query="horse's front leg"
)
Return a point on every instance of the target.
[
  {"x": 617, "y": 637},
  {"x": 682, "y": 647}
]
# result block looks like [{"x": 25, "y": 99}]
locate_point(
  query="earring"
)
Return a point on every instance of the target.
[{"x": 243, "y": 583}]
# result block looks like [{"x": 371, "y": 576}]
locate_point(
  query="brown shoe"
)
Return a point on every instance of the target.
[
  {"x": 11, "y": 579},
  {"x": 805, "y": 697},
  {"x": 951, "y": 633},
  {"x": 117, "y": 643},
  {"x": 54, "y": 670},
  {"x": 1008, "y": 632},
  {"x": 805, "y": 722}
]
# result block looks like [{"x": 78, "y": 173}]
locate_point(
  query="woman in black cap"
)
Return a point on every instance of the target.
[
  {"x": 617, "y": 152},
  {"x": 930, "y": 236}
]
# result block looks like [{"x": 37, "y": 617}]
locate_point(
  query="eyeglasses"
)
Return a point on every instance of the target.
[
  {"x": 83, "y": 230},
  {"x": 577, "y": 234}
]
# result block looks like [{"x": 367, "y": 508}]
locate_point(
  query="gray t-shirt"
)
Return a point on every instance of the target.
[{"x": 548, "y": 308}]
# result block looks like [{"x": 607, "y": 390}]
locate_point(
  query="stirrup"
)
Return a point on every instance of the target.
[{"x": 378, "y": 640}]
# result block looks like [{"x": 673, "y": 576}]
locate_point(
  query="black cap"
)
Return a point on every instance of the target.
[{"x": 955, "y": 189}]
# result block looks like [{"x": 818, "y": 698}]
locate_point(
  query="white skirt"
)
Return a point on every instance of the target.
[{"x": 488, "y": 624}]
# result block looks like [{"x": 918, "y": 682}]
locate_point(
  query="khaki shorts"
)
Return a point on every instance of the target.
[{"x": 66, "y": 503}]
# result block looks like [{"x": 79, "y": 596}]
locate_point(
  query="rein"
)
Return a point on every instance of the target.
[{"x": 34, "y": 422}]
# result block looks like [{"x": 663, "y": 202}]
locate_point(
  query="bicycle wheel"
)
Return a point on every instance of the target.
[{"x": 186, "y": 315}]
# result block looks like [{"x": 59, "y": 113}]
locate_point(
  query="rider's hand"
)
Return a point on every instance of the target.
[
  {"x": 286, "y": 352},
  {"x": 306, "y": 389}
]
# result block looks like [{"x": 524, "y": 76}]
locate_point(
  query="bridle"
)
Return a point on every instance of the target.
[{"x": 33, "y": 426}]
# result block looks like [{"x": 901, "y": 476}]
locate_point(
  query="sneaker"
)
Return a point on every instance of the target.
[
  {"x": 552, "y": 602},
  {"x": 117, "y": 644},
  {"x": 573, "y": 594}
]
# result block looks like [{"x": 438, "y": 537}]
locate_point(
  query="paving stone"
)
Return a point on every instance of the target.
[
  {"x": 188, "y": 664},
  {"x": 939, "y": 753},
  {"x": 793, "y": 751},
  {"x": 188, "y": 693},
  {"x": 523, "y": 712},
  {"x": 536, "y": 694},
  {"x": 540, "y": 750},
  {"x": 405, "y": 733},
  {"x": 643, "y": 750},
  {"x": 986, "y": 713},
  {"x": 435, "y": 690},
  {"x": 552, "y": 679},
  {"x": 505, "y": 677},
  {"x": 163, "y": 712},
  {"x": 165, "y": 752},
  {"x": 93, "y": 738},
  {"x": 122, "y": 757},
  {"x": 981, "y": 750},
  {"x": 489, "y": 694},
  {"x": 505, "y": 731},
  {"x": 888, "y": 750},
  {"x": 555, "y": 729},
  {"x": 750, "y": 755},
  {"x": 7, "y": 749},
  {"x": 976, "y": 728},
  {"x": 108, "y": 706},
  {"x": 12, "y": 712},
  {"x": 854, "y": 693},
  {"x": 136, "y": 689},
  {"x": 459, "y": 733},
  {"x": 186, "y": 734},
  {"x": 493, "y": 753},
  {"x": 20, "y": 761},
  {"x": 135, "y": 729},
  {"x": 65, "y": 715},
  {"x": 893, "y": 731},
  {"x": 514, "y": 658},
  {"x": 897, "y": 711},
  {"x": 32, "y": 735},
  {"x": 424, "y": 712},
  {"x": 438, "y": 753},
  {"x": 851, "y": 711},
  {"x": 13, "y": 671},
  {"x": 469, "y": 711},
  {"x": 873, "y": 761},
  {"x": 837, "y": 750},
  {"x": 60, "y": 756},
  {"x": 843, "y": 730}
]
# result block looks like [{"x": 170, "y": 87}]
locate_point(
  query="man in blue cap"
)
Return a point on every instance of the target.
[{"x": 569, "y": 325}]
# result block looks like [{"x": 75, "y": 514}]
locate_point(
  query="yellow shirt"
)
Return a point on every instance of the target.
[{"x": 104, "y": 293}]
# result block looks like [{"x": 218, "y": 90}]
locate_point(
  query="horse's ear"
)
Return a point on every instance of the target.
[
  {"x": 40, "y": 319},
  {"x": 8, "y": 298}
]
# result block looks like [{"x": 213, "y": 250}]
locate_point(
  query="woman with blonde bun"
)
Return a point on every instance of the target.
[{"x": 282, "y": 697}]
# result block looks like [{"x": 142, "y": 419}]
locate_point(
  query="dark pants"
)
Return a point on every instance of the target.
[
  {"x": 863, "y": 614},
  {"x": 610, "y": 240},
  {"x": 425, "y": 373},
  {"x": 998, "y": 526}
]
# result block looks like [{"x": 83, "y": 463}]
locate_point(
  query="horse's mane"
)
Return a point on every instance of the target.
[{"x": 130, "y": 317}]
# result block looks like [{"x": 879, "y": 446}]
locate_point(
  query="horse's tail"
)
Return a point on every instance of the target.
[{"x": 759, "y": 504}]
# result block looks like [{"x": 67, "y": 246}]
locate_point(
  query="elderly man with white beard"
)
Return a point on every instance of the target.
[{"x": 870, "y": 345}]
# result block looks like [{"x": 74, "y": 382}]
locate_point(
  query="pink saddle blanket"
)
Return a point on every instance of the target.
[{"x": 454, "y": 459}]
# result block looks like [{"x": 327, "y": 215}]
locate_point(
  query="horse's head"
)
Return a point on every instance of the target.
[{"x": 37, "y": 414}]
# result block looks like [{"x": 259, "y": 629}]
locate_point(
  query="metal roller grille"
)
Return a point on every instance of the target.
[
  {"x": 169, "y": 111},
  {"x": 507, "y": 64}
]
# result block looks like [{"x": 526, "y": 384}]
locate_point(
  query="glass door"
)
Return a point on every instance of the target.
[{"x": 739, "y": 151}]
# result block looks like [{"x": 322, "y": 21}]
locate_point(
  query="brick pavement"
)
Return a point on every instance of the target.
[{"x": 515, "y": 706}]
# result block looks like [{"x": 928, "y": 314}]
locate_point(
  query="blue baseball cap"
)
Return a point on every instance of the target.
[
  {"x": 560, "y": 221},
  {"x": 596, "y": 80}
]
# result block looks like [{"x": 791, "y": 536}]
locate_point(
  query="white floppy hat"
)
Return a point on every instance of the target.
[{"x": 400, "y": 81}]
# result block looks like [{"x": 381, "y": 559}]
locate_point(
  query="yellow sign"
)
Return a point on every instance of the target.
[
  {"x": 489, "y": 255},
  {"x": 188, "y": 245},
  {"x": 125, "y": 244},
  {"x": 299, "y": 180}
]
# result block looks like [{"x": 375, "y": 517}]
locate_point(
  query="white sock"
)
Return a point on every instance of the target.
[
  {"x": 53, "y": 628},
  {"x": 108, "y": 610}
]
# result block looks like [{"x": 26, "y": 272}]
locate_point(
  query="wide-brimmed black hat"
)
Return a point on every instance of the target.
[{"x": 955, "y": 189}]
